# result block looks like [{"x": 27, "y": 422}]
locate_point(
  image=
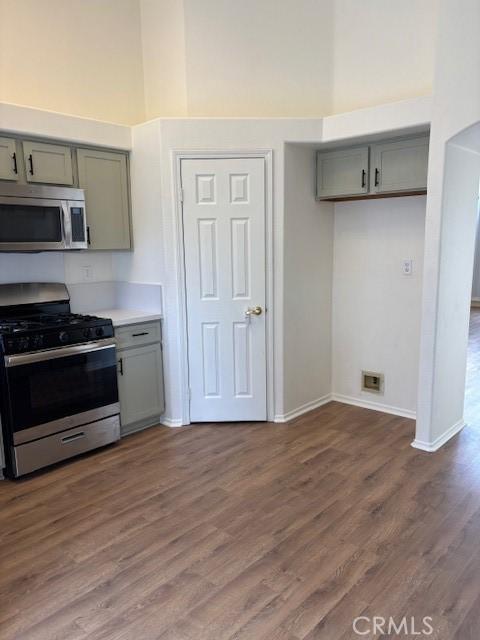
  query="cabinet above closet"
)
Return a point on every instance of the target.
[{"x": 382, "y": 169}]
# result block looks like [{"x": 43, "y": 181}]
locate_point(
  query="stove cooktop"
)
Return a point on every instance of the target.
[
  {"x": 45, "y": 320},
  {"x": 20, "y": 334}
]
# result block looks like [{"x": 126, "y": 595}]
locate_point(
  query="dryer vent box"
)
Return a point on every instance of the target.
[{"x": 372, "y": 381}]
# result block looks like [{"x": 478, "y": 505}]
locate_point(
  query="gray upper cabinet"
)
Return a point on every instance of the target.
[
  {"x": 400, "y": 166},
  {"x": 48, "y": 163},
  {"x": 390, "y": 167},
  {"x": 342, "y": 173},
  {"x": 104, "y": 176},
  {"x": 8, "y": 159}
]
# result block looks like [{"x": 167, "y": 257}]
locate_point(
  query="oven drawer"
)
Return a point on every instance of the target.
[
  {"x": 138, "y": 334},
  {"x": 41, "y": 453}
]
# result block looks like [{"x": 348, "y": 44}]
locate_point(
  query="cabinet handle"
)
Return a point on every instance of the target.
[
  {"x": 14, "y": 158},
  {"x": 364, "y": 178},
  {"x": 120, "y": 362},
  {"x": 30, "y": 162},
  {"x": 88, "y": 235},
  {"x": 377, "y": 175},
  {"x": 143, "y": 333}
]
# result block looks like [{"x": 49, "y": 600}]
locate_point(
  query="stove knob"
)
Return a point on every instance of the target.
[
  {"x": 87, "y": 333},
  {"x": 99, "y": 332},
  {"x": 37, "y": 340},
  {"x": 63, "y": 336}
]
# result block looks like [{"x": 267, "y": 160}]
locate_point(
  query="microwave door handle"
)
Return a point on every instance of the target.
[{"x": 66, "y": 225}]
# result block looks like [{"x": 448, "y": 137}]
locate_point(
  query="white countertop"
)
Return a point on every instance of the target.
[{"x": 123, "y": 317}]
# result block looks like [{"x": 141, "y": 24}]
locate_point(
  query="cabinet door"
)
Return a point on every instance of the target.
[
  {"x": 342, "y": 173},
  {"x": 8, "y": 159},
  {"x": 48, "y": 163},
  {"x": 104, "y": 176},
  {"x": 400, "y": 166},
  {"x": 140, "y": 383}
]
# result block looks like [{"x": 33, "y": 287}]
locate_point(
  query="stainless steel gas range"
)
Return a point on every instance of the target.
[{"x": 58, "y": 378}]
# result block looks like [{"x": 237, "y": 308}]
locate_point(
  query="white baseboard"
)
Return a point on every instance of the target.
[
  {"x": 309, "y": 406},
  {"x": 315, "y": 404},
  {"x": 172, "y": 422},
  {"x": 441, "y": 440},
  {"x": 375, "y": 406}
]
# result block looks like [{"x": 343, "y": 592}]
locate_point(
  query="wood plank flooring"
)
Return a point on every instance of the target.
[{"x": 249, "y": 532}]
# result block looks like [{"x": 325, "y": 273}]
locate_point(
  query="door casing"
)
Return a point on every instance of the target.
[{"x": 177, "y": 157}]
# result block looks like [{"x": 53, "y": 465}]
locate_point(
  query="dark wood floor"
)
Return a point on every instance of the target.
[{"x": 249, "y": 532}]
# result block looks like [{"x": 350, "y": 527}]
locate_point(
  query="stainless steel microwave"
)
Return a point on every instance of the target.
[{"x": 42, "y": 218}]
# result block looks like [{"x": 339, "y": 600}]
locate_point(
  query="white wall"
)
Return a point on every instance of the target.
[
  {"x": 163, "y": 48},
  {"x": 407, "y": 116},
  {"x": 98, "y": 262},
  {"x": 283, "y": 58},
  {"x": 131, "y": 60},
  {"x": 55, "y": 266},
  {"x": 307, "y": 298},
  {"x": 476, "y": 268},
  {"x": 459, "y": 218},
  {"x": 26, "y": 121},
  {"x": 250, "y": 58},
  {"x": 383, "y": 51},
  {"x": 147, "y": 261},
  {"x": 34, "y": 267},
  {"x": 80, "y": 57},
  {"x": 450, "y": 224},
  {"x": 377, "y": 309}
]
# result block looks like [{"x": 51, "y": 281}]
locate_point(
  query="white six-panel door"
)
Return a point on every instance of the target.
[{"x": 224, "y": 242}]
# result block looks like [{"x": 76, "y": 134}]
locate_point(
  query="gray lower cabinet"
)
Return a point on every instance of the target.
[
  {"x": 104, "y": 176},
  {"x": 48, "y": 163},
  {"x": 140, "y": 383},
  {"x": 400, "y": 166},
  {"x": 8, "y": 159},
  {"x": 342, "y": 172}
]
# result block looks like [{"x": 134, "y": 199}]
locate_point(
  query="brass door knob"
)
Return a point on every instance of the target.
[{"x": 254, "y": 311}]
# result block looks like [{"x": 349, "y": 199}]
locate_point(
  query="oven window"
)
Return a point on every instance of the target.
[
  {"x": 52, "y": 389},
  {"x": 29, "y": 223}
]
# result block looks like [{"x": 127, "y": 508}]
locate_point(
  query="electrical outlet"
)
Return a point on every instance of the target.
[
  {"x": 407, "y": 267},
  {"x": 87, "y": 273}
]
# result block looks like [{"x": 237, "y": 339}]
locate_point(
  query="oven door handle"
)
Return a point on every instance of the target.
[{"x": 52, "y": 354}]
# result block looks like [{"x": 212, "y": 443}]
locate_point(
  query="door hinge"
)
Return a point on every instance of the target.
[
  {"x": 189, "y": 393},
  {"x": 182, "y": 194}
]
